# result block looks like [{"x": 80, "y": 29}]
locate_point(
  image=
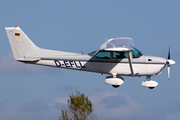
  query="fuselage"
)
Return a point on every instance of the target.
[{"x": 142, "y": 66}]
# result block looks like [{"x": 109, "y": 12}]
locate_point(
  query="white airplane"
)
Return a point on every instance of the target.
[{"x": 117, "y": 57}]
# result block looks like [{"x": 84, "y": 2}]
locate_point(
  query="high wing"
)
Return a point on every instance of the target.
[
  {"x": 124, "y": 44},
  {"x": 118, "y": 44}
]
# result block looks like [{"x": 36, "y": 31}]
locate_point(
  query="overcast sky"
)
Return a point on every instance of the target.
[{"x": 29, "y": 92}]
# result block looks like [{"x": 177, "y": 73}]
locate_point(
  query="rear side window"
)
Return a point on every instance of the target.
[{"x": 103, "y": 55}]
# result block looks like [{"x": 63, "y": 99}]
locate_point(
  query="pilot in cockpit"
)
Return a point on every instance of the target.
[{"x": 121, "y": 55}]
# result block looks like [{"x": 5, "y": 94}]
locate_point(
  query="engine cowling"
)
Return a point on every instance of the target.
[
  {"x": 114, "y": 81},
  {"x": 150, "y": 84}
]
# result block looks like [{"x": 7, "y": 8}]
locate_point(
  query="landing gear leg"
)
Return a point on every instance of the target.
[
  {"x": 149, "y": 79},
  {"x": 114, "y": 76}
]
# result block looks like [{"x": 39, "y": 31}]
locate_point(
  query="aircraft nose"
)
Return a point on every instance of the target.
[{"x": 171, "y": 62}]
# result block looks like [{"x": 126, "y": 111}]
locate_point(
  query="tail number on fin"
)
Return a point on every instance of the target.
[{"x": 68, "y": 64}]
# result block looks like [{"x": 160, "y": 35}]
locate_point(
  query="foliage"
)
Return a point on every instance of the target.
[{"x": 79, "y": 108}]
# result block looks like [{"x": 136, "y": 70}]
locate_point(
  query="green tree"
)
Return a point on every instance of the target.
[{"x": 79, "y": 108}]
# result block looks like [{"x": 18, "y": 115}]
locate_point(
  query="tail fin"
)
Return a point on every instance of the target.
[
  {"x": 21, "y": 45},
  {"x": 25, "y": 50}
]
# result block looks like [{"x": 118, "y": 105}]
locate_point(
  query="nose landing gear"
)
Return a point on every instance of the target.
[{"x": 149, "y": 83}]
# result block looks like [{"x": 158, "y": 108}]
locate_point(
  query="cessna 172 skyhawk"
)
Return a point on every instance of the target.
[{"x": 117, "y": 57}]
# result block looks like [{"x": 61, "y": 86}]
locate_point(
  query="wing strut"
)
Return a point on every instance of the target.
[{"x": 130, "y": 62}]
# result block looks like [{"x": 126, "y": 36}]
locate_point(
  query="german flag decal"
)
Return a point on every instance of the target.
[{"x": 17, "y": 34}]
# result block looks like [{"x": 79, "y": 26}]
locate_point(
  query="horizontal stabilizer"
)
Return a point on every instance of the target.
[{"x": 27, "y": 59}]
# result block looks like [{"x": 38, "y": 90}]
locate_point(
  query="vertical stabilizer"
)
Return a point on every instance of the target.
[{"x": 21, "y": 45}]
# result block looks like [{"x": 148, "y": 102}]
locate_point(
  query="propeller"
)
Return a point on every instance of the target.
[{"x": 169, "y": 63}]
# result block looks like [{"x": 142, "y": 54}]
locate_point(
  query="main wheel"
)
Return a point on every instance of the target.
[
  {"x": 151, "y": 87},
  {"x": 115, "y": 86}
]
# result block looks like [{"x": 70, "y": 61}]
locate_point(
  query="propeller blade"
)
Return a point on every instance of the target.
[
  {"x": 169, "y": 63},
  {"x": 168, "y": 72},
  {"x": 169, "y": 54}
]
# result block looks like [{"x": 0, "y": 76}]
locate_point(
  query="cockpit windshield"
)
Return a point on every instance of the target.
[
  {"x": 92, "y": 53},
  {"x": 136, "y": 53}
]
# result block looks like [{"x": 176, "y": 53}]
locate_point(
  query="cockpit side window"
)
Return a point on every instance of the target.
[
  {"x": 103, "y": 55},
  {"x": 119, "y": 55},
  {"x": 135, "y": 53}
]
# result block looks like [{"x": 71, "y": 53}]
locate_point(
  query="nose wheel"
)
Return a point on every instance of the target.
[{"x": 115, "y": 86}]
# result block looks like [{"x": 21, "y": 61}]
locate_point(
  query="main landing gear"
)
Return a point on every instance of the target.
[
  {"x": 115, "y": 86},
  {"x": 114, "y": 80}
]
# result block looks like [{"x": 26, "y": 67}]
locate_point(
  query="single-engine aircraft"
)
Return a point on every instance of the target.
[{"x": 117, "y": 57}]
